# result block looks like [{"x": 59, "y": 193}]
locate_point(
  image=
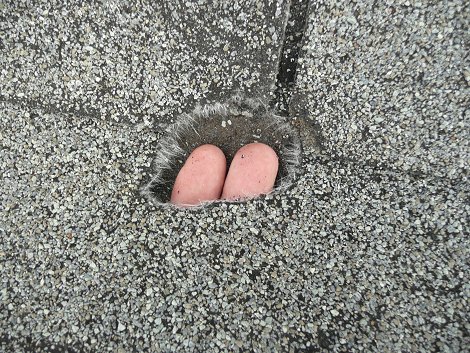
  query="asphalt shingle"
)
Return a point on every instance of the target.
[{"x": 367, "y": 250}]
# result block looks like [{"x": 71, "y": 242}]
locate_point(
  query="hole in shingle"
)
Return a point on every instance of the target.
[{"x": 229, "y": 126}]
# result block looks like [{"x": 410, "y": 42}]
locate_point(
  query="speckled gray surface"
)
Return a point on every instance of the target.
[
  {"x": 360, "y": 254},
  {"x": 389, "y": 83},
  {"x": 127, "y": 61}
]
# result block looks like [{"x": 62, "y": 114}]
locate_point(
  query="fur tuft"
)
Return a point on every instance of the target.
[{"x": 230, "y": 126}]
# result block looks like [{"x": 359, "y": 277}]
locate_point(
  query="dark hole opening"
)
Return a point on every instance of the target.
[{"x": 228, "y": 126}]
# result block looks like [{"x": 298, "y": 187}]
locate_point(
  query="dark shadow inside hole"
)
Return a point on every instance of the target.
[
  {"x": 228, "y": 128},
  {"x": 239, "y": 130}
]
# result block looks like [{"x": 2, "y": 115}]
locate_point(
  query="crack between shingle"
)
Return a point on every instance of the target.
[{"x": 288, "y": 58}]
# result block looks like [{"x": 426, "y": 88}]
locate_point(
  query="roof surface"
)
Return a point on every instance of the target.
[{"x": 367, "y": 250}]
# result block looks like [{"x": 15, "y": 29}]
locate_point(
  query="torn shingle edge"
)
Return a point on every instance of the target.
[{"x": 228, "y": 125}]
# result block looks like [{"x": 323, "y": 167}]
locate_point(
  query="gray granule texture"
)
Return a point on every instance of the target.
[
  {"x": 349, "y": 258},
  {"x": 125, "y": 61},
  {"x": 389, "y": 83},
  {"x": 368, "y": 249}
]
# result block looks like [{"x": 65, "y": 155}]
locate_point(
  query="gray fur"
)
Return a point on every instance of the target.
[{"x": 204, "y": 125}]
